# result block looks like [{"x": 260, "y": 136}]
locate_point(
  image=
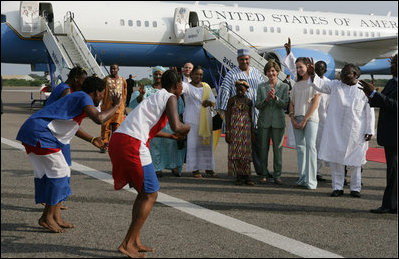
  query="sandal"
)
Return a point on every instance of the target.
[
  {"x": 211, "y": 173},
  {"x": 249, "y": 182},
  {"x": 197, "y": 174},
  {"x": 263, "y": 180},
  {"x": 238, "y": 182},
  {"x": 175, "y": 172}
]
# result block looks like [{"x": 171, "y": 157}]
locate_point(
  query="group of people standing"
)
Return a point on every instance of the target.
[{"x": 179, "y": 108}]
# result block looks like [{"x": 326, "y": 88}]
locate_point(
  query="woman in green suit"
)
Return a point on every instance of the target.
[{"x": 271, "y": 100}]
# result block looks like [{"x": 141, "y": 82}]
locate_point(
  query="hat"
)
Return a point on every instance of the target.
[
  {"x": 243, "y": 52},
  {"x": 158, "y": 68}
]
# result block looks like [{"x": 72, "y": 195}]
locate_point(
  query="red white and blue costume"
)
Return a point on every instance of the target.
[
  {"x": 43, "y": 135},
  {"x": 129, "y": 145},
  {"x": 54, "y": 96}
]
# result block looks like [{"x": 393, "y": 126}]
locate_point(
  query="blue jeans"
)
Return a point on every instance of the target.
[{"x": 307, "y": 154}]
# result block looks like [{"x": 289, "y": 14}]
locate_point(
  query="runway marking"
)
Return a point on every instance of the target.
[
  {"x": 268, "y": 237},
  {"x": 22, "y": 90}
]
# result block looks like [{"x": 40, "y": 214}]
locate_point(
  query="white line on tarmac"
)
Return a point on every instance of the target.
[
  {"x": 282, "y": 242},
  {"x": 22, "y": 90}
]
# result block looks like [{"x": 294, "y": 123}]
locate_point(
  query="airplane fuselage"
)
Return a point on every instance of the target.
[{"x": 143, "y": 34}]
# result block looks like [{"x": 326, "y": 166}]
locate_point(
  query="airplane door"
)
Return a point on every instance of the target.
[
  {"x": 30, "y": 19},
  {"x": 181, "y": 21}
]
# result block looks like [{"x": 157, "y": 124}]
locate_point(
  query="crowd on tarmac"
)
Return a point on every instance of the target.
[{"x": 177, "y": 120}]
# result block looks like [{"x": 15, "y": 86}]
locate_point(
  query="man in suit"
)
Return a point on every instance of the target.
[
  {"x": 387, "y": 132},
  {"x": 130, "y": 84}
]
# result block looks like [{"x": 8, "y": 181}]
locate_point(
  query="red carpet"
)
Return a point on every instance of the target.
[{"x": 373, "y": 154}]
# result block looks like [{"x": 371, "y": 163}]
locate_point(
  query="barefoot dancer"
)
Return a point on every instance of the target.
[
  {"x": 50, "y": 129},
  {"x": 130, "y": 155}
]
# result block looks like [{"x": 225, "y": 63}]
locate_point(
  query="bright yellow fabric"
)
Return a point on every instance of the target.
[
  {"x": 216, "y": 136},
  {"x": 204, "y": 131}
]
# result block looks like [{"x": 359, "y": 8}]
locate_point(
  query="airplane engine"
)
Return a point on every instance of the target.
[{"x": 279, "y": 54}]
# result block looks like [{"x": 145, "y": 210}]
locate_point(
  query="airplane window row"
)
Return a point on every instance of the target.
[
  {"x": 341, "y": 33},
  {"x": 130, "y": 23},
  {"x": 251, "y": 29}
]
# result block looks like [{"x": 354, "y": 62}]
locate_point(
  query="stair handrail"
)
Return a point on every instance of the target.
[
  {"x": 51, "y": 33},
  {"x": 208, "y": 27},
  {"x": 232, "y": 46},
  {"x": 71, "y": 15}
]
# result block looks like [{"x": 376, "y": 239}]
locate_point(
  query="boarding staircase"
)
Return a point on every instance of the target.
[
  {"x": 222, "y": 43},
  {"x": 69, "y": 49}
]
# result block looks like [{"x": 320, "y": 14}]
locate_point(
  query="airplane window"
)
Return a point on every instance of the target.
[
  {"x": 324, "y": 32},
  {"x": 379, "y": 34},
  {"x": 329, "y": 32},
  {"x": 372, "y": 34},
  {"x": 311, "y": 31},
  {"x": 271, "y": 29},
  {"x": 154, "y": 24},
  {"x": 264, "y": 29},
  {"x": 138, "y": 23},
  {"x": 130, "y": 23},
  {"x": 354, "y": 33},
  {"x": 278, "y": 30},
  {"x": 342, "y": 33},
  {"x": 146, "y": 23},
  {"x": 237, "y": 28},
  {"x": 361, "y": 33},
  {"x": 251, "y": 28},
  {"x": 230, "y": 27},
  {"x": 317, "y": 31},
  {"x": 366, "y": 34},
  {"x": 336, "y": 33},
  {"x": 348, "y": 33},
  {"x": 305, "y": 31},
  {"x": 122, "y": 22}
]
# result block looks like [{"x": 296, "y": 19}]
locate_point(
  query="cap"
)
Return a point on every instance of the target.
[{"x": 243, "y": 52}]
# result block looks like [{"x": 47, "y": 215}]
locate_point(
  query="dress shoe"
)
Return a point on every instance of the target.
[
  {"x": 355, "y": 194},
  {"x": 337, "y": 193},
  {"x": 278, "y": 181},
  {"x": 320, "y": 178},
  {"x": 382, "y": 210}
]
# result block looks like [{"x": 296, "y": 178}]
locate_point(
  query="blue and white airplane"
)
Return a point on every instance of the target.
[{"x": 149, "y": 33}]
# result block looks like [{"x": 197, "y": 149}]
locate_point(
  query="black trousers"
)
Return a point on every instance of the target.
[{"x": 389, "y": 201}]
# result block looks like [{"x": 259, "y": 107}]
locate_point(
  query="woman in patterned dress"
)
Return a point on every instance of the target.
[{"x": 239, "y": 133}]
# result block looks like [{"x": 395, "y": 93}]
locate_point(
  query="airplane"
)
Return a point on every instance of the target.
[{"x": 153, "y": 33}]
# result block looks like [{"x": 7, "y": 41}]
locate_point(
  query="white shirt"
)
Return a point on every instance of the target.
[
  {"x": 302, "y": 94},
  {"x": 146, "y": 116}
]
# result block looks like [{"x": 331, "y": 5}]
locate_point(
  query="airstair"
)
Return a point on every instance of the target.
[
  {"x": 222, "y": 43},
  {"x": 69, "y": 49}
]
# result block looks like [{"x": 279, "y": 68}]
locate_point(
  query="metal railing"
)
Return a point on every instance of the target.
[
  {"x": 244, "y": 42},
  {"x": 70, "y": 16}
]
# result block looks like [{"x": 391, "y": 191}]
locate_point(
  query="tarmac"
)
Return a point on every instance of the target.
[{"x": 192, "y": 218}]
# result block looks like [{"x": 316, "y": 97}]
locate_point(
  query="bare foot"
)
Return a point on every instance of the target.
[
  {"x": 132, "y": 253},
  {"x": 52, "y": 226},
  {"x": 143, "y": 248},
  {"x": 64, "y": 224},
  {"x": 43, "y": 223}
]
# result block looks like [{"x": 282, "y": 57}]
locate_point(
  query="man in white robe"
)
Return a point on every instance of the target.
[
  {"x": 321, "y": 69},
  {"x": 348, "y": 128}
]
